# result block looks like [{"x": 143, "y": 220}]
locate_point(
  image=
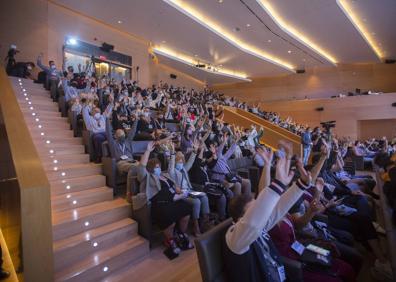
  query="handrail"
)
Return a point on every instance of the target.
[
  {"x": 36, "y": 224},
  {"x": 272, "y": 134},
  {"x": 390, "y": 229}
]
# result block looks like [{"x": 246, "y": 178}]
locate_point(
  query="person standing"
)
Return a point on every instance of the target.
[{"x": 306, "y": 141}]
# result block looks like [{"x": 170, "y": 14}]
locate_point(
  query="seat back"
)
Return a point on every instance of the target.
[
  {"x": 210, "y": 254},
  {"x": 139, "y": 147},
  {"x": 172, "y": 127}
]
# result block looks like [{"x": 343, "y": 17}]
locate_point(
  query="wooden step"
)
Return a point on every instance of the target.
[
  {"x": 45, "y": 115},
  {"x": 72, "y": 222},
  {"x": 77, "y": 247},
  {"x": 53, "y": 132},
  {"x": 82, "y": 198},
  {"x": 57, "y": 139},
  {"x": 49, "y": 161},
  {"x": 77, "y": 184},
  {"x": 100, "y": 264},
  {"x": 72, "y": 171},
  {"x": 44, "y": 112},
  {"x": 31, "y": 123},
  {"x": 75, "y": 149}
]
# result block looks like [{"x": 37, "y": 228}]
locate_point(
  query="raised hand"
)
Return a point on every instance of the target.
[
  {"x": 287, "y": 147},
  {"x": 305, "y": 176},
  {"x": 266, "y": 154},
  {"x": 283, "y": 173},
  {"x": 150, "y": 146}
]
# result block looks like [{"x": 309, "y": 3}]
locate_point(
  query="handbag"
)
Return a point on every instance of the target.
[{"x": 215, "y": 190}]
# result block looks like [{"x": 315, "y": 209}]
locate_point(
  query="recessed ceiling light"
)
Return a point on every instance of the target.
[
  {"x": 220, "y": 1},
  {"x": 289, "y": 51},
  {"x": 269, "y": 40},
  {"x": 303, "y": 60},
  {"x": 247, "y": 25},
  {"x": 120, "y": 22},
  {"x": 195, "y": 55},
  {"x": 373, "y": 33},
  {"x": 163, "y": 41}
]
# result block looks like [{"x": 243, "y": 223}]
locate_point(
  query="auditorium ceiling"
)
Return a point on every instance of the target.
[{"x": 242, "y": 39}]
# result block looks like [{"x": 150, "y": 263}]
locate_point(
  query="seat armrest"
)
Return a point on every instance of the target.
[
  {"x": 293, "y": 268},
  {"x": 110, "y": 170}
]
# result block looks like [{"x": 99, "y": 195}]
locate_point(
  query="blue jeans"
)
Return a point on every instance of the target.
[{"x": 307, "y": 152}]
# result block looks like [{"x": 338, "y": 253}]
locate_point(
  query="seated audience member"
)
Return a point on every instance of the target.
[
  {"x": 221, "y": 172},
  {"x": 167, "y": 205},
  {"x": 249, "y": 253},
  {"x": 215, "y": 192},
  {"x": 145, "y": 126},
  {"x": 178, "y": 171},
  {"x": 122, "y": 149},
  {"x": 96, "y": 124},
  {"x": 53, "y": 75}
]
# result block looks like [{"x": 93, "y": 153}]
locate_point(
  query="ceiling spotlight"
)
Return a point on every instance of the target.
[
  {"x": 247, "y": 25},
  {"x": 106, "y": 268},
  {"x": 289, "y": 51},
  {"x": 120, "y": 22},
  {"x": 71, "y": 41},
  {"x": 195, "y": 55},
  {"x": 220, "y": 1},
  {"x": 95, "y": 244},
  {"x": 269, "y": 41},
  {"x": 163, "y": 41},
  {"x": 86, "y": 223},
  {"x": 19, "y": 79},
  {"x": 373, "y": 33}
]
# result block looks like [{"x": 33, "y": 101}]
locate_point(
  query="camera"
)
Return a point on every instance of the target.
[{"x": 328, "y": 124}]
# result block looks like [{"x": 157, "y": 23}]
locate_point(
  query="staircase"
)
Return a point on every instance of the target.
[{"x": 93, "y": 234}]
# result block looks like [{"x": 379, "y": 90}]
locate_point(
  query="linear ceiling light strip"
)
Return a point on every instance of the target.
[
  {"x": 354, "y": 19},
  {"x": 206, "y": 22},
  {"x": 191, "y": 62},
  {"x": 278, "y": 35},
  {"x": 294, "y": 33}
]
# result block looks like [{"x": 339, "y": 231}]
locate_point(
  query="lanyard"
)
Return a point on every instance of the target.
[{"x": 122, "y": 148}]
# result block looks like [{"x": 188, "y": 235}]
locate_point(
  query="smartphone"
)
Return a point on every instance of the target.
[{"x": 318, "y": 250}]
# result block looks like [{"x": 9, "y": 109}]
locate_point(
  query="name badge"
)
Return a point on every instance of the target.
[
  {"x": 298, "y": 247},
  {"x": 282, "y": 273},
  {"x": 124, "y": 157}
]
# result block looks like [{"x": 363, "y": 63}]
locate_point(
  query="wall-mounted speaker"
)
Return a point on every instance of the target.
[
  {"x": 390, "y": 61},
  {"x": 320, "y": 109},
  {"x": 173, "y": 76},
  {"x": 300, "y": 71},
  {"x": 394, "y": 104},
  {"x": 107, "y": 47}
]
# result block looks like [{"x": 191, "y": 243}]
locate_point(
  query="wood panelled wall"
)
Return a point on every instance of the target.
[
  {"x": 347, "y": 112},
  {"x": 315, "y": 83}
]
